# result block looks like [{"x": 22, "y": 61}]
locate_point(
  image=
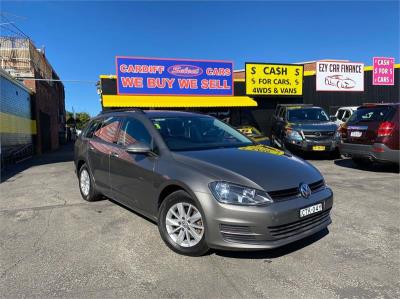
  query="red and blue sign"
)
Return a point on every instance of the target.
[{"x": 161, "y": 76}]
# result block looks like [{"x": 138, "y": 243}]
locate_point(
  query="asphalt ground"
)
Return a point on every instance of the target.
[{"x": 54, "y": 244}]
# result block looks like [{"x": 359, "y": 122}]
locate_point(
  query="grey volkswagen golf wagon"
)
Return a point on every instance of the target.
[{"x": 203, "y": 182}]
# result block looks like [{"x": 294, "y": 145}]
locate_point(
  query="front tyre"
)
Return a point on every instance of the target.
[
  {"x": 86, "y": 184},
  {"x": 181, "y": 224}
]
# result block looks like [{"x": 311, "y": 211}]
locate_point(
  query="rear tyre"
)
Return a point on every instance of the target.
[
  {"x": 86, "y": 184},
  {"x": 362, "y": 162},
  {"x": 181, "y": 224}
]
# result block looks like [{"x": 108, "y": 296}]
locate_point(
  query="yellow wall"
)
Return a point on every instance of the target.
[{"x": 14, "y": 124}]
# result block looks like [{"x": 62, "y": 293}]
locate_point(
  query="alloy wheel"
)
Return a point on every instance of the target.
[
  {"x": 85, "y": 182},
  {"x": 184, "y": 224}
]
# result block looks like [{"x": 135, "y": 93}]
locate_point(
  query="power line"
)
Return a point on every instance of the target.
[
  {"x": 15, "y": 32},
  {"x": 15, "y": 26},
  {"x": 57, "y": 80}
]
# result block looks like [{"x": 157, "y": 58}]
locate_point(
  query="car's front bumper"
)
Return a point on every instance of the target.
[
  {"x": 308, "y": 145},
  {"x": 375, "y": 152},
  {"x": 236, "y": 227}
]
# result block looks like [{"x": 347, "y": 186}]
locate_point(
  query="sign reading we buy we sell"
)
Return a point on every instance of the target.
[{"x": 160, "y": 76}]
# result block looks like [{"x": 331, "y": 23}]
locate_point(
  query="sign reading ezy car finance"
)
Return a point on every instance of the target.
[
  {"x": 383, "y": 73},
  {"x": 339, "y": 76},
  {"x": 159, "y": 76},
  {"x": 274, "y": 79}
]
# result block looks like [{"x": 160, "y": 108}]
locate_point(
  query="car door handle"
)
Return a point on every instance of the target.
[{"x": 114, "y": 154}]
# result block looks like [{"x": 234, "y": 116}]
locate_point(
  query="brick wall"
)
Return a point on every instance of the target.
[{"x": 48, "y": 98}]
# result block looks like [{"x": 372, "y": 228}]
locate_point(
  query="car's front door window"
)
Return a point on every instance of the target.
[{"x": 133, "y": 131}]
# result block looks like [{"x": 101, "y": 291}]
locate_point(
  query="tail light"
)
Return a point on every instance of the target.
[{"x": 385, "y": 129}]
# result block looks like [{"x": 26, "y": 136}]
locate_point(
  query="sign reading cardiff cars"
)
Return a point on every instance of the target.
[
  {"x": 339, "y": 76},
  {"x": 159, "y": 76},
  {"x": 274, "y": 79},
  {"x": 383, "y": 71}
]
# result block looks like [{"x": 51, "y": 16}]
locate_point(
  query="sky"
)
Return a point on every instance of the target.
[{"x": 82, "y": 38}]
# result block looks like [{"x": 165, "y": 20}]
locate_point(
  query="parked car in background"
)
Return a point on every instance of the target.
[
  {"x": 204, "y": 183},
  {"x": 304, "y": 127},
  {"x": 254, "y": 134},
  {"x": 372, "y": 134},
  {"x": 343, "y": 114}
]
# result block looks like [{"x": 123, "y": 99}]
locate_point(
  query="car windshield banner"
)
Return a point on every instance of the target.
[
  {"x": 160, "y": 76},
  {"x": 340, "y": 76}
]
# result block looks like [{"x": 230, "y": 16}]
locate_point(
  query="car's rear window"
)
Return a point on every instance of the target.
[{"x": 372, "y": 114}]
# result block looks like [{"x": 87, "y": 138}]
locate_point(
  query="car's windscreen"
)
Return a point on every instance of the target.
[
  {"x": 198, "y": 133},
  {"x": 371, "y": 114},
  {"x": 307, "y": 114}
]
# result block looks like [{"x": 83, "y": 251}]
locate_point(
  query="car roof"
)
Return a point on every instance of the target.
[
  {"x": 151, "y": 113},
  {"x": 303, "y": 107},
  {"x": 171, "y": 113},
  {"x": 364, "y": 105},
  {"x": 349, "y": 107}
]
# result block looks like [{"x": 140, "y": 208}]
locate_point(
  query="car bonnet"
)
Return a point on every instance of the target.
[{"x": 266, "y": 167}]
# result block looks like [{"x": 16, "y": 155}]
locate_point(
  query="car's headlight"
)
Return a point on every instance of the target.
[
  {"x": 293, "y": 134},
  {"x": 338, "y": 134},
  {"x": 238, "y": 195}
]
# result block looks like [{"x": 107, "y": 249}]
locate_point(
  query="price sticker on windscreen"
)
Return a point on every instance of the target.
[{"x": 274, "y": 79}]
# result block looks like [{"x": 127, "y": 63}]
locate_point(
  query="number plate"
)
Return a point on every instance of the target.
[
  {"x": 318, "y": 148},
  {"x": 310, "y": 210},
  {"x": 355, "y": 134}
]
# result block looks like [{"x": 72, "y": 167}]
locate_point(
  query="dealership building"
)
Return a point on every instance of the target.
[{"x": 242, "y": 108}]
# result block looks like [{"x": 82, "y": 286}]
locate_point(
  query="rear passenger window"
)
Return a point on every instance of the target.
[
  {"x": 133, "y": 131},
  {"x": 109, "y": 129}
]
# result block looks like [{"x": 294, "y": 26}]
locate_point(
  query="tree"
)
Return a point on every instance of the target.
[{"x": 80, "y": 120}]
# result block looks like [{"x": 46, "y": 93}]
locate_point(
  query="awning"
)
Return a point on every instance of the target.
[{"x": 176, "y": 101}]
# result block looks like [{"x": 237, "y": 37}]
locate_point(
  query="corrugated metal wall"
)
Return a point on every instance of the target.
[{"x": 16, "y": 126}]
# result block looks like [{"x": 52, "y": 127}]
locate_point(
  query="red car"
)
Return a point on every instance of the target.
[{"x": 372, "y": 134}]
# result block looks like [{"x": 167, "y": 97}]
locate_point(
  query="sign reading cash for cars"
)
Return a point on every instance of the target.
[
  {"x": 274, "y": 79},
  {"x": 340, "y": 76}
]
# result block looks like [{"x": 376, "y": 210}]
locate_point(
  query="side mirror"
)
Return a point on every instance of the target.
[
  {"x": 138, "y": 148},
  {"x": 333, "y": 118}
]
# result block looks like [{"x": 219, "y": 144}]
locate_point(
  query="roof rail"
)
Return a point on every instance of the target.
[
  {"x": 122, "y": 110},
  {"x": 294, "y": 104}
]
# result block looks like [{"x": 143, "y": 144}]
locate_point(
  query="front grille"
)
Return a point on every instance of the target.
[
  {"x": 237, "y": 233},
  {"x": 319, "y": 134},
  {"x": 317, "y": 185},
  {"x": 234, "y": 228},
  {"x": 300, "y": 226},
  {"x": 286, "y": 194},
  {"x": 238, "y": 238}
]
